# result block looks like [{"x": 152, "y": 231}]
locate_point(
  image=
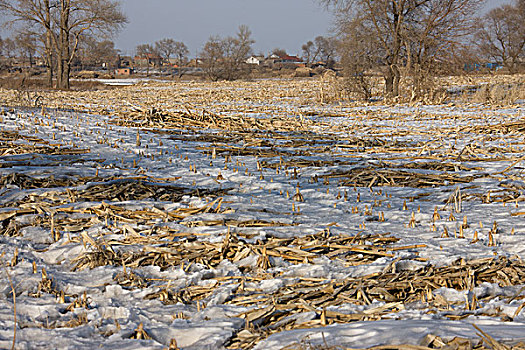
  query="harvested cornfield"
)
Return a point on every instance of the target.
[{"x": 249, "y": 215}]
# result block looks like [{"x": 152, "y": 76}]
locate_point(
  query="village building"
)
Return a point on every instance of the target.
[
  {"x": 125, "y": 61},
  {"x": 286, "y": 61},
  {"x": 148, "y": 59},
  {"x": 124, "y": 71},
  {"x": 196, "y": 62},
  {"x": 255, "y": 60}
]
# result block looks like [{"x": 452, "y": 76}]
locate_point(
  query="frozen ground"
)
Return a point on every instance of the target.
[{"x": 79, "y": 264}]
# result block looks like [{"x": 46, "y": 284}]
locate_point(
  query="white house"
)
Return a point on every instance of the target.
[{"x": 255, "y": 60}]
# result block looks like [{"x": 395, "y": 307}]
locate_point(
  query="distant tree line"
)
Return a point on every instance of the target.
[
  {"x": 406, "y": 42},
  {"x": 58, "y": 29},
  {"x": 221, "y": 58},
  {"x": 21, "y": 45},
  {"x": 90, "y": 52},
  {"x": 165, "y": 49}
]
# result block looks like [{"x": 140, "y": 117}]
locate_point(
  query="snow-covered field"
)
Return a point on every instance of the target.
[{"x": 365, "y": 226}]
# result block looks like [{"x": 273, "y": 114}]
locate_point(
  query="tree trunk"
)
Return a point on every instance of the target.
[
  {"x": 48, "y": 44},
  {"x": 49, "y": 75},
  {"x": 63, "y": 72},
  {"x": 389, "y": 83},
  {"x": 60, "y": 68},
  {"x": 397, "y": 80},
  {"x": 64, "y": 75},
  {"x": 510, "y": 65},
  {"x": 49, "y": 66},
  {"x": 64, "y": 65},
  {"x": 392, "y": 80}
]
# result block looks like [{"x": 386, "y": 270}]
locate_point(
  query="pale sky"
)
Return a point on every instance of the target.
[
  {"x": 286, "y": 24},
  {"x": 274, "y": 23}
]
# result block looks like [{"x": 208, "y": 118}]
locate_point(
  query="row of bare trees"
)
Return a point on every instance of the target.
[
  {"x": 416, "y": 39},
  {"x": 222, "y": 58},
  {"x": 165, "y": 49},
  {"x": 22, "y": 49},
  {"x": 401, "y": 39},
  {"x": 57, "y": 28},
  {"x": 402, "y": 36}
]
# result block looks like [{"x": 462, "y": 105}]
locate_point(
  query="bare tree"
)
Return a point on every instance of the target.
[
  {"x": 27, "y": 45},
  {"x": 224, "y": 57},
  {"x": 181, "y": 52},
  {"x": 326, "y": 48},
  {"x": 242, "y": 46},
  {"x": 168, "y": 47},
  {"x": 64, "y": 24},
  {"x": 146, "y": 52},
  {"x": 308, "y": 52},
  {"x": 433, "y": 36},
  {"x": 144, "y": 49},
  {"x": 402, "y": 26},
  {"x": 165, "y": 48},
  {"x": 35, "y": 16},
  {"x": 322, "y": 48},
  {"x": 9, "y": 48},
  {"x": 76, "y": 19},
  {"x": 213, "y": 55},
  {"x": 98, "y": 53},
  {"x": 279, "y": 52},
  {"x": 501, "y": 34},
  {"x": 360, "y": 56},
  {"x": 2, "y": 63}
]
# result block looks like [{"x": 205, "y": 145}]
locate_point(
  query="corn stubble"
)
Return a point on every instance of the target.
[{"x": 280, "y": 140}]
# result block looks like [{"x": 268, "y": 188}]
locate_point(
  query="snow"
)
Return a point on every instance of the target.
[
  {"x": 390, "y": 332},
  {"x": 114, "y": 312}
]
